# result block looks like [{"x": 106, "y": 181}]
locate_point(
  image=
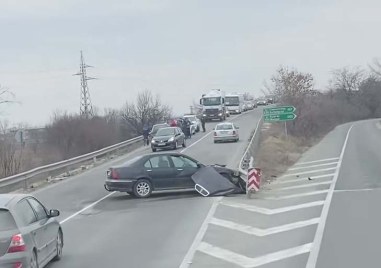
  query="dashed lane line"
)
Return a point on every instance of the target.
[
  {"x": 314, "y": 166},
  {"x": 317, "y": 161},
  {"x": 263, "y": 232},
  {"x": 246, "y": 262},
  {"x": 302, "y": 186},
  {"x": 313, "y": 257},
  {"x": 308, "y": 172},
  {"x": 302, "y": 179},
  {"x": 296, "y": 195},
  {"x": 269, "y": 211}
]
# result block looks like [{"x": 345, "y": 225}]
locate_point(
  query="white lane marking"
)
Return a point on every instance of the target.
[
  {"x": 246, "y": 262},
  {"x": 313, "y": 257},
  {"x": 296, "y": 195},
  {"x": 302, "y": 186},
  {"x": 308, "y": 172},
  {"x": 319, "y": 165},
  {"x": 317, "y": 161},
  {"x": 302, "y": 179},
  {"x": 86, "y": 208},
  {"x": 269, "y": 211},
  {"x": 187, "y": 261},
  {"x": 263, "y": 232},
  {"x": 356, "y": 190},
  {"x": 207, "y": 134}
]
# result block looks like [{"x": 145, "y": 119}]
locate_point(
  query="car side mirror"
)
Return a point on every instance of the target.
[{"x": 54, "y": 213}]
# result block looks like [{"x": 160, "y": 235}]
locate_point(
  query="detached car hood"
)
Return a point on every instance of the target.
[{"x": 209, "y": 181}]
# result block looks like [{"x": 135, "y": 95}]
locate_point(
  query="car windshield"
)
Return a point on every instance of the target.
[
  {"x": 7, "y": 221},
  {"x": 191, "y": 118},
  {"x": 209, "y": 101},
  {"x": 157, "y": 127},
  {"x": 231, "y": 101},
  {"x": 165, "y": 132},
  {"x": 224, "y": 127}
]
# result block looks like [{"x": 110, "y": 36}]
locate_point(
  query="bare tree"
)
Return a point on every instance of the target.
[
  {"x": 370, "y": 94},
  {"x": 347, "y": 80},
  {"x": 5, "y": 95},
  {"x": 375, "y": 67},
  {"x": 10, "y": 152},
  {"x": 147, "y": 110},
  {"x": 290, "y": 84}
]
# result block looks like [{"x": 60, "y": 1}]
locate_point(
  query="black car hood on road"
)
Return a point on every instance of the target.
[{"x": 209, "y": 181}]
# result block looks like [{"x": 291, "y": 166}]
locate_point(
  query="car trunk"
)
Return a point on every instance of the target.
[{"x": 8, "y": 228}]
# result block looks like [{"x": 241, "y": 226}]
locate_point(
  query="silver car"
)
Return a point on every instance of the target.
[
  {"x": 226, "y": 132},
  {"x": 30, "y": 236},
  {"x": 196, "y": 123}
]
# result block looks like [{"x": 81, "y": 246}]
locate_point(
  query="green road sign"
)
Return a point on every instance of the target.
[
  {"x": 279, "y": 117},
  {"x": 279, "y": 110}
]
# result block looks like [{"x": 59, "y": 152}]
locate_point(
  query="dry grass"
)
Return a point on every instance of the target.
[{"x": 278, "y": 152}]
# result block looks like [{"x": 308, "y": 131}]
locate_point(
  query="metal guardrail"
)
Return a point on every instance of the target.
[
  {"x": 248, "y": 157},
  {"x": 21, "y": 180}
]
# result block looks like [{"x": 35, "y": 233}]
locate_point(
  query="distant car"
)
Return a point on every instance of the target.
[
  {"x": 262, "y": 102},
  {"x": 156, "y": 172},
  {"x": 168, "y": 138},
  {"x": 196, "y": 123},
  {"x": 226, "y": 132},
  {"x": 227, "y": 112},
  {"x": 155, "y": 128},
  {"x": 30, "y": 236}
]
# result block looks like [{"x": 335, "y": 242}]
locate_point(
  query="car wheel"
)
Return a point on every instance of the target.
[
  {"x": 59, "y": 246},
  {"x": 142, "y": 188},
  {"x": 184, "y": 144},
  {"x": 153, "y": 149},
  {"x": 175, "y": 145},
  {"x": 215, "y": 141},
  {"x": 33, "y": 261}
]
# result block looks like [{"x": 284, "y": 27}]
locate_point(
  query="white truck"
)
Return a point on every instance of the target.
[
  {"x": 235, "y": 103},
  {"x": 213, "y": 105}
]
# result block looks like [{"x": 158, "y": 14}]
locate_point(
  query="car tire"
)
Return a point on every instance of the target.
[
  {"x": 184, "y": 144},
  {"x": 175, "y": 146},
  {"x": 33, "y": 261},
  {"x": 142, "y": 188},
  {"x": 198, "y": 129},
  {"x": 59, "y": 246},
  {"x": 154, "y": 150},
  {"x": 215, "y": 141}
]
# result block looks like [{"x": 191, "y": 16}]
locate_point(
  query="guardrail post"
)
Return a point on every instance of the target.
[{"x": 94, "y": 159}]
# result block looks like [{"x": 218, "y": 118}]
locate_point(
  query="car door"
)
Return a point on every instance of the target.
[
  {"x": 49, "y": 227},
  {"x": 32, "y": 227},
  {"x": 161, "y": 172},
  {"x": 185, "y": 168},
  {"x": 179, "y": 136}
]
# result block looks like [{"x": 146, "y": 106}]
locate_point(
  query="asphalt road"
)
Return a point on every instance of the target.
[
  {"x": 120, "y": 231},
  {"x": 352, "y": 231}
]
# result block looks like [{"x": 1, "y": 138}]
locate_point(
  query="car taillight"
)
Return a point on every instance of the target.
[
  {"x": 17, "y": 244},
  {"x": 115, "y": 175}
]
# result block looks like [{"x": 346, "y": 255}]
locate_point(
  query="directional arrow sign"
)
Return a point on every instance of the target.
[
  {"x": 279, "y": 117},
  {"x": 279, "y": 110}
]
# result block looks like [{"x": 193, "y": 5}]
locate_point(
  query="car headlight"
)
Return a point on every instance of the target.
[
  {"x": 220, "y": 114},
  {"x": 204, "y": 115},
  {"x": 153, "y": 141},
  {"x": 171, "y": 139},
  {"x": 237, "y": 111}
]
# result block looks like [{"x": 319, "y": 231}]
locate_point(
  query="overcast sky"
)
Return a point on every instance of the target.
[{"x": 179, "y": 49}]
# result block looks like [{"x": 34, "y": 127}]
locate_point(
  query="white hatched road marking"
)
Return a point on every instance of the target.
[
  {"x": 313, "y": 256},
  {"x": 308, "y": 172},
  {"x": 268, "y": 211},
  {"x": 302, "y": 186},
  {"x": 317, "y": 161},
  {"x": 296, "y": 195},
  {"x": 320, "y": 165},
  {"x": 302, "y": 179},
  {"x": 247, "y": 262},
  {"x": 263, "y": 232}
]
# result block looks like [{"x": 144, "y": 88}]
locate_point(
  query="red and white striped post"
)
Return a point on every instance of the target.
[{"x": 253, "y": 180}]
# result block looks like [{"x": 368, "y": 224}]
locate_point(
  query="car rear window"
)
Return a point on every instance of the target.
[
  {"x": 165, "y": 132},
  {"x": 224, "y": 127},
  {"x": 6, "y": 220}
]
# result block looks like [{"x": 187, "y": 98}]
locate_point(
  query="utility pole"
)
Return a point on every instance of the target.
[{"x": 86, "y": 108}]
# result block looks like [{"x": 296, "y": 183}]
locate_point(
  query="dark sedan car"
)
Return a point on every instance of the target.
[
  {"x": 168, "y": 138},
  {"x": 163, "y": 171},
  {"x": 30, "y": 236}
]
